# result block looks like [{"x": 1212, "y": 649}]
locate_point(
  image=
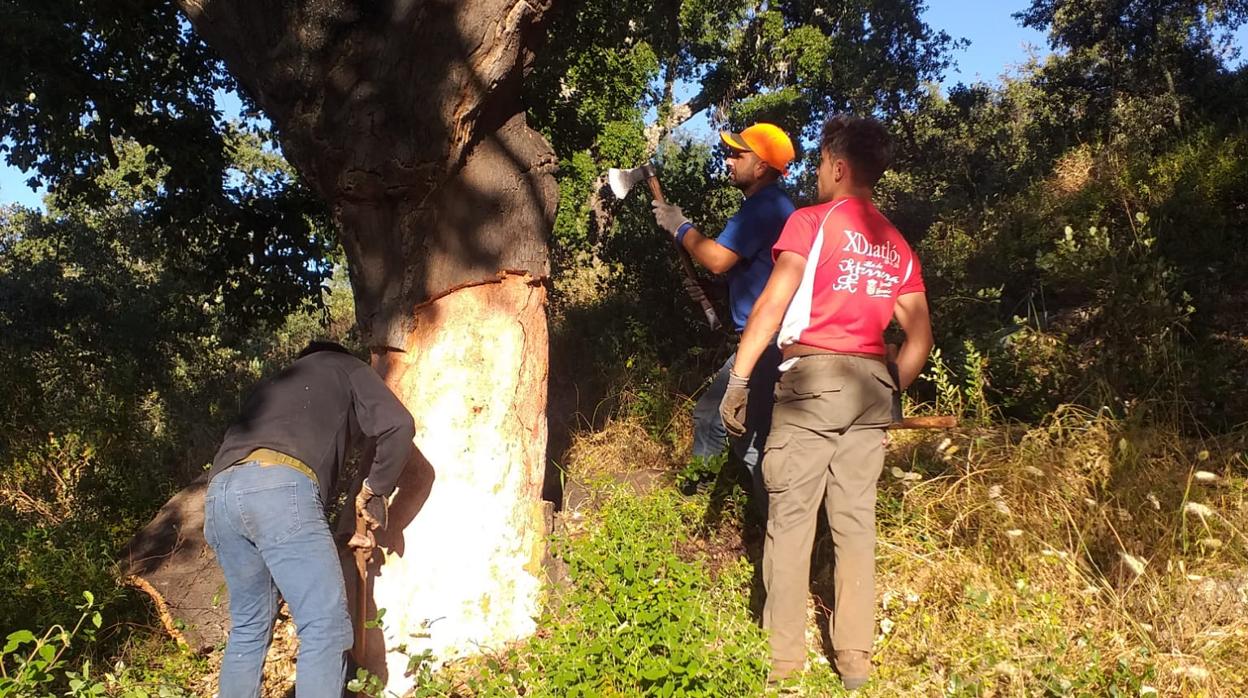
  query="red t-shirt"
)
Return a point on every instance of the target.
[{"x": 846, "y": 299}]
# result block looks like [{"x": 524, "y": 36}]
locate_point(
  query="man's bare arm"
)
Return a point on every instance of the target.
[
  {"x": 916, "y": 321},
  {"x": 769, "y": 310},
  {"x": 710, "y": 254}
]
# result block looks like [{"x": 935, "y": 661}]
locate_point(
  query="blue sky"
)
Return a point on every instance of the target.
[{"x": 998, "y": 44}]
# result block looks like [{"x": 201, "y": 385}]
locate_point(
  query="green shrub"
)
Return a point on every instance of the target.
[
  {"x": 42, "y": 666},
  {"x": 639, "y": 618}
]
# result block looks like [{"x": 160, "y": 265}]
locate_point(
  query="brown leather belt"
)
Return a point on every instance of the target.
[{"x": 795, "y": 350}]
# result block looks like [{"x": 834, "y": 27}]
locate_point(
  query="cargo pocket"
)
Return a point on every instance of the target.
[
  {"x": 777, "y": 463},
  {"x": 803, "y": 382}
]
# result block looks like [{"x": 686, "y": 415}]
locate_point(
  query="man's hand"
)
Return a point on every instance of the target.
[
  {"x": 669, "y": 216},
  {"x": 372, "y": 507},
  {"x": 892, "y": 352},
  {"x": 362, "y": 541},
  {"x": 732, "y": 408}
]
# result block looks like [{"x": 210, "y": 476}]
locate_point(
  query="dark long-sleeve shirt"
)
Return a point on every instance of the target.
[{"x": 314, "y": 410}]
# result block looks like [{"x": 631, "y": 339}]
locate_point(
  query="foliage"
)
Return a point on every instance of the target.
[
  {"x": 647, "y": 618},
  {"x": 1162, "y": 52},
  {"x": 420, "y": 666},
  {"x": 34, "y": 666},
  {"x": 964, "y": 397},
  {"x": 1087, "y": 251},
  {"x": 639, "y": 618},
  {"x": 154, "y": 289},
  {"x": 701, "y": 470},
  {"x": 38, "y": 661},
  {"x": 113, "y": 107},
  {"x": 81, "y": 79},
  {"x": 1085, "y": 555}
]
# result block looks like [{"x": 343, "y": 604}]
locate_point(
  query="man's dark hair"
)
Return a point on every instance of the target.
[
  {"x": 315, "y": 346},
  {"x": 862, "y": 141}
]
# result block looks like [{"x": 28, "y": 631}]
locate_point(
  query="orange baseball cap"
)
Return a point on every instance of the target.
[{"x": 767, "y": 141}]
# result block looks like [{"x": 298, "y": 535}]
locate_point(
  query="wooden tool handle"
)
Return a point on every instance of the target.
[
  {"x": 656, "y": 191},
  {"x": 362, "y": 556},
  {"x": 935, "y": 422},
  {"x": 686, "y": 265}
]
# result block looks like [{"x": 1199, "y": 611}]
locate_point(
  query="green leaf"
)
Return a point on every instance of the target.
[
  {"x": 18, "y": 638},
  {"x": 654, "y": 672}
]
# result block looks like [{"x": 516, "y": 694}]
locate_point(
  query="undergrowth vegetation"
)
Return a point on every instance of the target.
[
  {"x": 636, "y": 616},
  {"x": 1086, "y": 555},
  {"x": 1081, "y": 556},
  {"x": 1081, "y": 228}
]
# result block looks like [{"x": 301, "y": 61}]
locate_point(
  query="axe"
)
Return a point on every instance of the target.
[
  {"x": 622, "y": 181},
  {"x": 361, "y": 544}
]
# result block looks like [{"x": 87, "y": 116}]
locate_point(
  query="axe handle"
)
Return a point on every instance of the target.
[
  {"x": 685, "y": 264},
  {"x": 936, "y": 422},
  {"x": 362, "y": 556}
]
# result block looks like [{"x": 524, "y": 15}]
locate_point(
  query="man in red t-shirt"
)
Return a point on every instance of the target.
[{"x": 842, "y": 273}]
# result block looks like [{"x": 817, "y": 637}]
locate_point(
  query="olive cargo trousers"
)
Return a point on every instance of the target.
[{"x": 826, "y": 445}]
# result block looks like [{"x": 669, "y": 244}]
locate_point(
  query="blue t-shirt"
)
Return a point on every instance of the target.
[{"x": 751, "y": 233}]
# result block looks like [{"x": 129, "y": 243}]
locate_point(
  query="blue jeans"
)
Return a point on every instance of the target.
[
  {"x": 709, "y": 434},
  {"x": 268, "y": 529}
]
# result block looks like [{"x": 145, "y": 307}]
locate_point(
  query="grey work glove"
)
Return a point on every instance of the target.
[
  {"x": 668, "y": 216},
  {"x": 732, "y": 407},
  {"x": 372, "y": 507}
]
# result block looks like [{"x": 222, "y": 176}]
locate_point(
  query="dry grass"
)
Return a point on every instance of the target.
[
  {"x": 622, "y": 446},
  {"x": 1073, "y": 171},
  {"x": 1068, "y": 558},
  {"x": 1075, "y": 557}
]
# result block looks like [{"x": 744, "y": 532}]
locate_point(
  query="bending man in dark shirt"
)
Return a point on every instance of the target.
[{"x": 264, "y": 514}]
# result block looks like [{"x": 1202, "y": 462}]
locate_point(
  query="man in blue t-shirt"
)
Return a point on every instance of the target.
[{"x": 757, "y": 160}]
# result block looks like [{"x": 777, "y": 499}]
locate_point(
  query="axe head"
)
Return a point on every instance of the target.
[{"x": 622, "y": 181}]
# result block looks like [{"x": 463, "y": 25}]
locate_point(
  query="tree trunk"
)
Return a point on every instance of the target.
[
  {"x": 405, "y": 116},
  {"x": 468, "y": 526}
]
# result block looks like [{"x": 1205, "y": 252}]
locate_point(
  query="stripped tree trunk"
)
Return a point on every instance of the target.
[
  {"x": 467, "y": 560},
  {"x": 405, "y": 116}
]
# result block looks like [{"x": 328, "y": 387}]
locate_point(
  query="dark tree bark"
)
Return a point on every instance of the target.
[{"x": 405, "y": 116}]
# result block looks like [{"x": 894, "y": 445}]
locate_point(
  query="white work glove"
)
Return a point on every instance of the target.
[{"x": 669, "y": 216}]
